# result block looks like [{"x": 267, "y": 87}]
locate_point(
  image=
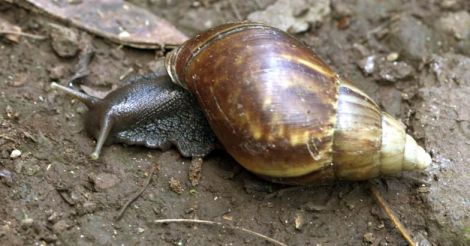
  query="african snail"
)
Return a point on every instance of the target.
[{"x": 273, "y": 104}]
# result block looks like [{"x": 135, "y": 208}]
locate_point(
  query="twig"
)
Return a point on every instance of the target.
[
  {"x": 136, "y": 195},
  {"x": 208, "y": 222},
  {"x": 29, "y": 35},
  {"x": 8, "y": 138},
  {"x": 383, "y": 204}
]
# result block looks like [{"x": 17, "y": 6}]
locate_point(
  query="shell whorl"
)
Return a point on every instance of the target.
[
  {"x": 281, "y": 112},
  {"x": 369, "y": 142}
]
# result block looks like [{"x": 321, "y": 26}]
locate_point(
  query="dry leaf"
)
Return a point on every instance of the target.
[{"x": 116, "y": 20}]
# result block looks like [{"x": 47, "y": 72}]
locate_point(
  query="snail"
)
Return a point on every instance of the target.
[{"x": 272, "y": 103}]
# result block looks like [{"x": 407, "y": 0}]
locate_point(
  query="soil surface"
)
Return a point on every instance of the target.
[{"x": 412, "y": 57}]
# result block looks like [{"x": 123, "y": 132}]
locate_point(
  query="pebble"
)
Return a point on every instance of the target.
[
  {"x": 451, "y": 69},
  {"x": 299, "y": 221},
  {"x": 103, "y": 181},
  {"x": 392, "y": 56},
  {"x": 6, "y": 177},
  {"x": 393, "y": 71},
  {"x": 423, "y": 189},
  {"x": 27, "y": 222},
  {"x": 367, "y": 65},
  {"x": 15, "y": 153},
  {"x": 31, "y": 170},
  {"x": 312, "y": 207},
  {"x": 57, "y": 72},
  {"x": 64, "y": 41},
  {"x": 449, "y": 4},
  {"x": 369, "y": 237},
  {"x": 294, "y": 16},
  {"x": 60, "y": 226},
  {"x": 53, "y": 217}
]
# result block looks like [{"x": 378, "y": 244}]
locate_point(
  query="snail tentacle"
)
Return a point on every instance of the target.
[{"x": 88, "y": 100}]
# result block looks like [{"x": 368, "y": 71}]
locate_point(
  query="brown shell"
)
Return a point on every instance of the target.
[
  {"x": 275, "y": 122},
  {"x": 280, "y": 111}
]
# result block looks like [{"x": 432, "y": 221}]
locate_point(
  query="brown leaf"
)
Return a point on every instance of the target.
[{"x": 116, "y": 20}]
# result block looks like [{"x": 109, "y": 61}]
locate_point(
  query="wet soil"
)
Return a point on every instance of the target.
[{"x": 412, "y": 57}]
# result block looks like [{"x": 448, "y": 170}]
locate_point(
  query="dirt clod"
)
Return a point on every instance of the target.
[
  {"x": 103, "y": 181},
  {"x": 369, "y": 237},
  {"x": 195, "y": 170},
  {"x": 175, "y": 185},
  {"x": 61, "y": 226},
  {"x": 393, "y": 71},
  {"x": 64, "y": 41},
  {"x": 57, "y": 72}
]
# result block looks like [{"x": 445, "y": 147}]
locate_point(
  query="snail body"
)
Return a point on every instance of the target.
[
  {"x": 149, "y": 111},
  {"x": 281, "y": 112}
]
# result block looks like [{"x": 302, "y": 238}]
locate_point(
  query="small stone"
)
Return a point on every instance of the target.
[
  {"x": 421, "y": 239},
  {"x": 60, "y": 226},
  {"x": 15, "y": 153},
  {"x": 10, "y": 112},
  {"x": 423, "y": 189},
  {"x": 227, "y": 217},
  {"x": 88, "y": 207},
  {"x": 312, "y": 207},
  {"x": 457, "y": 24},
  {"x": 449, "y": 4},
  {"x": 31, "y": 170},
  {"x": 294, "y": 16},
  {"x": 53, "y": 217},
  {"x": 27, "y": 222},
  {"x": 393, "y": 71},
  {"x": 195, "y": 171},
  {"x": 64, "y": 41},
  {"x": 103, "y": 181},
  {"x": 380, "y": 226},
  {"x": 369, "y": 237},
  {"x": 299, "y": 221},
  {"x": 392, "y": 56},
  {"x": 367, "y": 65},
  {"x": 140, "y": 230},
  {"x": 6, "y": 177},
  {"x": 175, "y": 185},
  {"x": 19, "y": 80},
  {"x": 57, "y": 72}
]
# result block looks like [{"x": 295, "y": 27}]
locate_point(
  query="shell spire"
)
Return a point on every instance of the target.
[{"x": 399, "y": 151}]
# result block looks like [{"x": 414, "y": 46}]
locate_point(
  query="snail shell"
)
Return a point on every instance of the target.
[{"x": 282, "y": 113}]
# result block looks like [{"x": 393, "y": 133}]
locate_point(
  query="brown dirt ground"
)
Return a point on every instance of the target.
[{"x": 52, "y": 193}]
